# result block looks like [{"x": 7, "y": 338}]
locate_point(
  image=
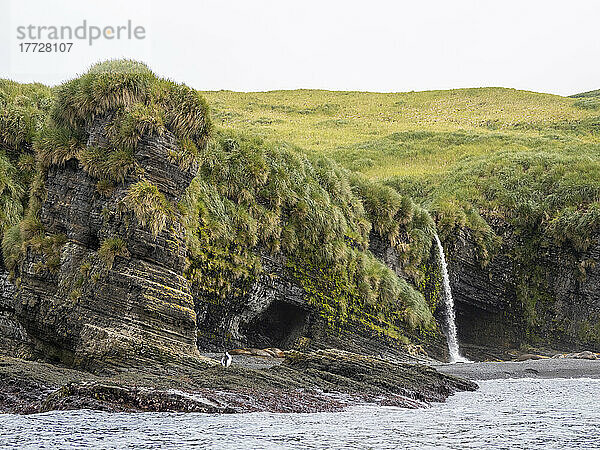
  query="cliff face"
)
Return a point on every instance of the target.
[
  {"x": 13, "y": 337},
  {"x": 267, "y": 247},
  {"x": 118, "y": 290},
  {"x": 273, "y": 313},
  {"x": 276, "y": 311},
  {"x": 527, "y": 294}
]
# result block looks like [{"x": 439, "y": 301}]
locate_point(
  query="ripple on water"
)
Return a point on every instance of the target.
[{"x": 530, "y": 413}]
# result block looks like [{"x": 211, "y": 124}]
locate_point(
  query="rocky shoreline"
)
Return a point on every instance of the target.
[
  {"x": 321, "y": 381},
  {"x": 327, "y": 380}
]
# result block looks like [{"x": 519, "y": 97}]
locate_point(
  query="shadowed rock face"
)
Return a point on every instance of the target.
[
  {"x": 89, "y": 310},
  {"x": 485, "y": 298},
  {"x": 276, "y": 312},
  {"x": 273, "y": 312},
  {"x": 562, "y": 286},
  {"x": 13, "y": 337}
]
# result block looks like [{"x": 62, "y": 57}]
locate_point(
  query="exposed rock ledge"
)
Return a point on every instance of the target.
[{"x": 327, "y": 380}]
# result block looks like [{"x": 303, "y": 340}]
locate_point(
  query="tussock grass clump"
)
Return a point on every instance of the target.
[
  {"x": 112, "y": 248},
  {"x": 50, "y": 246},
  {"x": 406, "y": 226},
  {"x": 106, "y": 86},
  {"x": 136, "y": 104},
  {"x": 12, "y": 252},
  {"x": 22, "y": 111},
  {"x": 149, "y": 205},
  {"x": 57, "y": 145},
  {"x": 113, "y": 165},
  {"x": 186, "y": 111},
  {"x": 11, "y": 194},
  {"x": 133, "y": 122},
  {"x": 23, "y": 108}
]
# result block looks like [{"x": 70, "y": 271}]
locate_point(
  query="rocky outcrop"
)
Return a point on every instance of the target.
[
  {"x": 541, "y": 295},
  {"x": 276, "y": 311},
  {"x": 487, "y": 312},
  {"x": 273, "y": 312},
  {"x": 13, "y": 337},
  {"x": 377, "y": 376},
  {"x": 305, "y": 382},
  {"x": 130, "y": 302}
]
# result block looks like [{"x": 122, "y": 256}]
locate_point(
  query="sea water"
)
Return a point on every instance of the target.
[{"x": 502, "y": 414}]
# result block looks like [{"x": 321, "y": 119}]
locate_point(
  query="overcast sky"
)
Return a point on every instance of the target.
[{"x": 389, "y": 46}]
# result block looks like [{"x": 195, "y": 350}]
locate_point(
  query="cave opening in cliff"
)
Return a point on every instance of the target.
[
  {"x": 482, "y": 328},
  {"x": 278, "y": 326}
]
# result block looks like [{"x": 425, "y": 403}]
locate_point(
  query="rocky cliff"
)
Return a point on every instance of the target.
[
  {"x": 97, "y": 262},
  {"x": 146, "y": 237},
  {"x": 118, "y": 289},
  {"x": 527, "y": 294}
]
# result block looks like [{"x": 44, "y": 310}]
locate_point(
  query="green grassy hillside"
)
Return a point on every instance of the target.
[
  {"x": 450, "y": 150},
  {"x": 415, "y": 133}
]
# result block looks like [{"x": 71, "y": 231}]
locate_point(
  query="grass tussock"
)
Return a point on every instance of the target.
[
  {"x": 136, "y": 104},
  {"x": 150, "y": 207},
  {"x": 23, "y": 108},
  {"x": 112, "y": 248}
]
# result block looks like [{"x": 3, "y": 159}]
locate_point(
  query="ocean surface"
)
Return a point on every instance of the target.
[{"x": 520, "y": 413}]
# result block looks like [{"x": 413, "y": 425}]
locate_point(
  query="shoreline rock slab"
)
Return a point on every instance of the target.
[{"x": 326, "y": 380}]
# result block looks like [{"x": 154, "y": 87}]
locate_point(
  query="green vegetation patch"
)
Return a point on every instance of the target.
[
  {"x": 130, "y": 103},
  {"x": 253, "y": 199},
  {"x": 134, "y": 103}
]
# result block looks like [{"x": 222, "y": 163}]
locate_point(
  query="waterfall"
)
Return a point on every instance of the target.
[{"x": 453, "y": 349}]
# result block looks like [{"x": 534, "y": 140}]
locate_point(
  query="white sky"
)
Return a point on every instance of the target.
[{"x": 540, "y": 45}]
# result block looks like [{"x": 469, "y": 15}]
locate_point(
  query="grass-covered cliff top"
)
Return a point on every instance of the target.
[
  {"x": 528, "y": 157},
  {"x": 410, "y": 133}
]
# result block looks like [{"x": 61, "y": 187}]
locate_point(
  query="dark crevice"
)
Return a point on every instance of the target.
[{"x": 278, "y": 326}]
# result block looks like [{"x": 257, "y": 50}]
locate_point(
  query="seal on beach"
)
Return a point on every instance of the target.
[{"x": 226, "y": 360}]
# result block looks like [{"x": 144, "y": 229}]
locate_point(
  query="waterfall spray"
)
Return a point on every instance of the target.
[{"x": 453, "y": 348}]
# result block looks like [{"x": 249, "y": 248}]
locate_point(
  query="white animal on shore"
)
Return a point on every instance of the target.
[{"x": 226, "y": 360}]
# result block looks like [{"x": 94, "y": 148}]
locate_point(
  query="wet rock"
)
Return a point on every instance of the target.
[
  {"x": 585, "y": 355},
  {"x": 305, "y": 382},
  {"x": 369, "y": 375},
  {"x": 267, "y": 352},
  {"x": 581, "y": 355},
  {"x": 127, "y": 398},
  {"x": 529, "y": 356}
]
